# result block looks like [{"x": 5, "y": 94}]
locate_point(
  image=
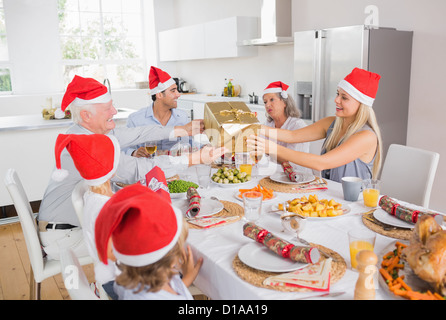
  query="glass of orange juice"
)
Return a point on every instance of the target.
[
  {"x": 360, "y": 239},
  {"x": 370, "y": 192},
  {"x": 243, "y": 162}
]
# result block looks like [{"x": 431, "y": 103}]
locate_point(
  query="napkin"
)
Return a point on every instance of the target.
[
  {"x": 156, "y": 180},
  {"x": 279, "y": 246},
  {"x": 212, "y": 221},
  {"x": 194, "y": 202},
  {"x": 313, "y": 276},
  {"x": 410, "y": 215}
]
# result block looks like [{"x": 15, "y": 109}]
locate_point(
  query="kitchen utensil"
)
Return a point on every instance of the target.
[{"x": 325, "y": 295}]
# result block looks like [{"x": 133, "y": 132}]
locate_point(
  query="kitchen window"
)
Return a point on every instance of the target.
[
  {"x": 103, "y": 39},
  {"x": 5, "y": 73}
]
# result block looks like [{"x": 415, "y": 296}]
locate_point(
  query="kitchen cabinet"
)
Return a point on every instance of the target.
[{"x": 211, "y": 40}]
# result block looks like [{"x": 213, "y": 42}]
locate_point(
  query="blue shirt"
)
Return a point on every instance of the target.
[{"x": 145, "y": 117}]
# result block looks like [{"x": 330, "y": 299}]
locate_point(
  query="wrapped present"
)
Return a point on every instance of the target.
[
  {"x": 410, "y": 215},
  {"x": 281, "y": 247},
  {"x": 229, "y": 124},
  {"x": 156, "y": 180},
  {"x": 194, "y": 199}
]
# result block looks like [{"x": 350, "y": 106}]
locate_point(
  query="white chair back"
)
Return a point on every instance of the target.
[
  {"x": 77, "y": 197},
  {"x": 408, "y": 174},
  {"x": 75, "y": 280},
  {"x": 28, "y": 223}
]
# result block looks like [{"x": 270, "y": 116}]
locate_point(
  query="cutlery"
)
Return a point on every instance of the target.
[
  {"x": 331, "y": 294},
  {"x": 386, "y": 227},
  {"x": 305, "y": 242}
]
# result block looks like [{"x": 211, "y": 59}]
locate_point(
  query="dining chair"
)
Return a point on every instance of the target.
[
  {"x": 408, "y": 174},
  {"x": 41, "y": 267},
  {"x": 77, "y": 198},
  {"x": 74, "y": 277}
]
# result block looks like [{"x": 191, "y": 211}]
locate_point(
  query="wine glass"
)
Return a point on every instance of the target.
[
  {"x": 256, "y": 156},
  {"x": 150, "y": 148},
  {"x": 293, "y": 223}
]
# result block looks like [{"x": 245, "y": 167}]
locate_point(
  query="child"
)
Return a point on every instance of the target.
[
  {"x": 96, "y": 157},
  {"x": 145, "y": 235}
]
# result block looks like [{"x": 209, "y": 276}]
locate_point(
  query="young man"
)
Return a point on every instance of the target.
[{"x": 162, "y": 112}]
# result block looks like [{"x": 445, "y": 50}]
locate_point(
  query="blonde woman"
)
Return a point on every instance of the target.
[{"x": 353, "y": 143}]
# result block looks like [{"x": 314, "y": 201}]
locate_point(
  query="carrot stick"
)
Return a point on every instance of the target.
[
  {"x": 405, "y": 286},
  {"x": 386, "y": 275}
]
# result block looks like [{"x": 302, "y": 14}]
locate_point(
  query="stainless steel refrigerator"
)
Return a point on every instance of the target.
[{"x": 322, "y": 58}]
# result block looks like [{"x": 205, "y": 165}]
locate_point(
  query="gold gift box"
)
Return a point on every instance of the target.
[{"x": 228, "y": 124}]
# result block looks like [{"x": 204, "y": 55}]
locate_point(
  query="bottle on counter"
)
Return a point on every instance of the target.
[
  {"x": 230, "y": 88},
  {"x": 225, "y": 89}
]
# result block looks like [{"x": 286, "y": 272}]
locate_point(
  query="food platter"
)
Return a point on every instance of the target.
[
  {"x": 231, "y": 185},
  {"x": 237, "y": 196}
]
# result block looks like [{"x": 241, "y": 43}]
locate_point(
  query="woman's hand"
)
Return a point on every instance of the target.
[
  {"x": 261, "y": 145},
  {"x": 206, "y": 155},
  {"x": 189, "y": 268}
]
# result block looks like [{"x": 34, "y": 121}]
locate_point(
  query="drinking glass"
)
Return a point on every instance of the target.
[
  {"x": 204, "y": 175},
  {"x": 256, "y": 156},
  {"x": 370, "y": 192},
  {"x": 243, "y": 163},
  {"x": 252, "y": 204},
  {"x": 360, "y": 239},
  {"x": 150, "y": 148},
  {"x": 293, "y": 223}
]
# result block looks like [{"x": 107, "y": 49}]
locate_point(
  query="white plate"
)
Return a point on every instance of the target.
[
  {"x": 178, "y": 195},
  {"x": 208, "y": 207},
  {"x": 257, "y": 256},
  {"x": 231, "y": 185},
  {"x": 237, "y": 193},
  {"x": 282, "y": 178},
  {"x": 345, "y": 208},
  {"x": 384, "y": 217}
]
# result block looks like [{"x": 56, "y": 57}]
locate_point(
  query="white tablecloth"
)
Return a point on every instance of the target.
[{"x": 219, "y": 246}]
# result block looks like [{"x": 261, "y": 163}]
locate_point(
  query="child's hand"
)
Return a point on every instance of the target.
[{"x": 189, "y": 268}]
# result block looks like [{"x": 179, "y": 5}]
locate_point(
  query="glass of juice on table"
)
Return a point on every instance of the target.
[
  {"x": 360, "y": 239},
  {"x": 243, "y": 162},
  {"x": 370, "y": 192}
]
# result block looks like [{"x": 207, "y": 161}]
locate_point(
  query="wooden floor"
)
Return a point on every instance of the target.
[{"x": 15, "y": 269}]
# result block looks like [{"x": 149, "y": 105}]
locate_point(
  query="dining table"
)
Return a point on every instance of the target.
[{"x": 219, "y": 246}]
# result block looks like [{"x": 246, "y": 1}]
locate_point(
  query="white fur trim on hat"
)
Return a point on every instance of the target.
[
  {"x": 152, "y": 257},
  {"x": 162, "y": 86},
  {"x": 283, "y": 93},
  {"x": 106, "y": 97},
  {"x": 355, "y": 93}
]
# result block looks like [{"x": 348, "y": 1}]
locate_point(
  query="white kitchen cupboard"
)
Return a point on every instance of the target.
[{"x": 211, "y": 40}]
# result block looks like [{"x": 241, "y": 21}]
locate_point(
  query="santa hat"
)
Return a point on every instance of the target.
[
  {"x": 277, "y": 87},
  {"x": 159, "y": 80},
  {"x": 362, "y": 85},
  {"x": 83, "y": 91},
  {"x": 95, "y": 156},
  {"x": 143, "y": 226}
]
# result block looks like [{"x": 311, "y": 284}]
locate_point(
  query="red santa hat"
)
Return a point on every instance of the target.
[
  {"x": 95, "y": 156},
  {"x": 143, "y": 226},
  {"x": 362, "y": 85},
  {"x": 83, "y": 91},
  {"x": 159, "y": 80},
  {"x": 277, "y": 87}
]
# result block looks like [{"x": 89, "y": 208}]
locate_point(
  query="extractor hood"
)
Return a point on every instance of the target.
[{"x": 275, "y": 24}]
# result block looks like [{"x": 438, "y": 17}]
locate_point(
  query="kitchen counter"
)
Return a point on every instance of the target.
[{"x": 36, "y": 121}]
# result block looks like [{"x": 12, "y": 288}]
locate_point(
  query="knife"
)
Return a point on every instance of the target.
[
  {"x": 385, "y": 226},
  {"x": 325, "y": 295}
]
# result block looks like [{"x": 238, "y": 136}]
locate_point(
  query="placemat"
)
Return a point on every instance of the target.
[
  {"x": 231, "y": 209},
  {"x": 256, "y": 277},
  {"x": 315, "y": 185},
  {"x": 396, "y": 233}
]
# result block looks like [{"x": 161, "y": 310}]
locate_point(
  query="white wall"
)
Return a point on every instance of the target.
[{"x": 426, "y": 18}]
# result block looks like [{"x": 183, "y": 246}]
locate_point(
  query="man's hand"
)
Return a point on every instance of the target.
[
  {"x": 141, "y": 153},
  {"x": 192, "y": 128}
]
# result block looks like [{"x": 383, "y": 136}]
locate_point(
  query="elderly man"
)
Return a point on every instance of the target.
[
  {"x": 162, "y": 111},
  {"x": 92, "y": 111}
]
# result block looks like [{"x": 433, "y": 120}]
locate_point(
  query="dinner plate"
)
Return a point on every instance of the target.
[
  {"x": 410, "y": 277},
  {"x": 282, "y": 178},
  {"x": 382, "y": 216},
  {"x": 231, "y": 185},
  {"x": 237, "y": 196},
  {"x": 208, "y": 207},
  {"x": 345, "y": 208},
  {"x": 178, "y": 195},
  {"x": 257, "y": 256}
]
